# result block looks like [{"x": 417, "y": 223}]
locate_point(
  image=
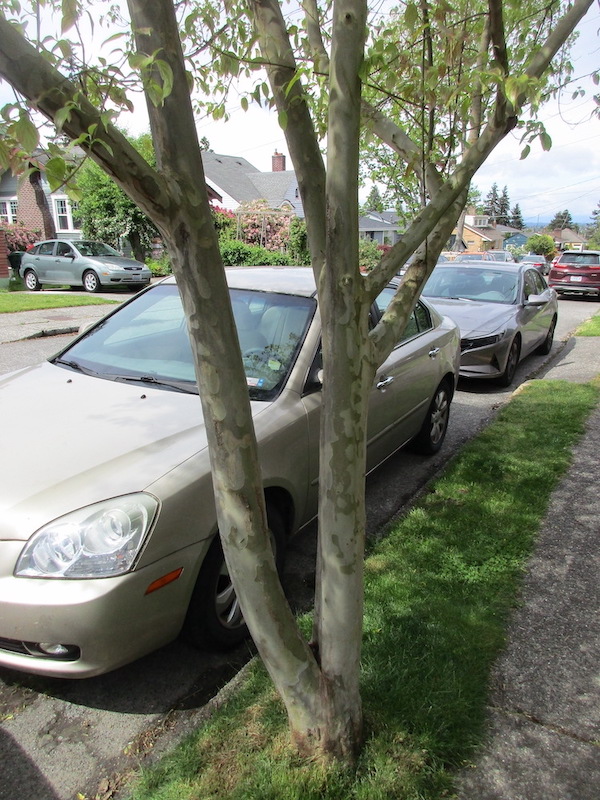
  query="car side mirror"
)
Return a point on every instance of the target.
[{"x": 537, "y": 299}]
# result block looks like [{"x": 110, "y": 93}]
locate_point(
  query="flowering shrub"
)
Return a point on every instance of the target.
[
  {"x": 225, "y": 222},
  {"x": 18, "y": 238},
  {"x": 264, "y": 226}
]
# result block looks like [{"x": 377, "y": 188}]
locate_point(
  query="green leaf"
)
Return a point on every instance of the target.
[
  {"x": 546, "y": 141},
  {"x": 69, "y": 15},
  {"x": 244, "y": 103},
  {"x": 166, "y": 73},
  {"x": 525, "y": 152},
  {"x": 4, "y": 155},
  {"x": 282, "y": 118},
  {"x": 411, "y": 16},
  {"x": 25, "y": 133},
  {"x": 62, "y": 115}
]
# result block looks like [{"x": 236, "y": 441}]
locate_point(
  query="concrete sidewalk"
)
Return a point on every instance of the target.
[
  {"x": 52, "y": 321},
  {"x": 544, "y": 706}
]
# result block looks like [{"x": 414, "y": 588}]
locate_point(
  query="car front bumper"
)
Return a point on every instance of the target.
[
  {"x": 486, "y": 362},
  {"x": 104, "y": 622}
]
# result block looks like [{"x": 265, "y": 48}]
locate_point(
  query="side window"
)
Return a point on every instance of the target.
[
  {"x": 419, "y": 320},
  {"x": 383, "y": 300},
  {"x": 529, "y": 284},
  {"x": 46, "y": 248},
  {"x": 63, "y": 249},
  {"x": 423, "y": 318},
  {"x": 540, "y": 284}
]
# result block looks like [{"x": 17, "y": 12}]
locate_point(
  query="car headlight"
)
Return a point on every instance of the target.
[
  {"x": 472, "y": 342},
  {"x": 98, "y": 541}
]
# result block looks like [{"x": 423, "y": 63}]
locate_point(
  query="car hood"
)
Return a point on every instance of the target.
[
  {"x": 75, "y": 439},
  {"x": 121, "y": 262},
  {"x": 474, "y": 316}
]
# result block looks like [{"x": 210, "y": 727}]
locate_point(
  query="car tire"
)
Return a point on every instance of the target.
[
  {"x": 433, "y": 430},
  {"x": 214, "y": 617},
  {"x": 31, "y": 281},
  {"x": 512, "y": 362},
  {"x": 91, "y": 282},
  {"x": 546, "y": 345}
]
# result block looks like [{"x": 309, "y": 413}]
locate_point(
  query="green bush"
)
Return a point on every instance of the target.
[
  {"x": 237, "y": 254},
  {"x": 160, "y": 266}
]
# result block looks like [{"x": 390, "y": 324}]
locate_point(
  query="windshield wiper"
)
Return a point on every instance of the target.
[
  {"x": 177, "y": 386},
  {"x": 65, "y": 362}
]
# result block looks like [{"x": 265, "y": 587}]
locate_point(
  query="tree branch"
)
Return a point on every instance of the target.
[{"x": 299, "y": 130}]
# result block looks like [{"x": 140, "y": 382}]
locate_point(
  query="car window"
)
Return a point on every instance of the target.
[
  {"x": 530, "y": 284},
  {"x": 63, "y": 249},
  {"x": 96, "y": 249},
  {"x": 46, "y": 249},
  {"x": 148, "y": 340},
  {"x": 539, "y": 283},
  {"x": 419, "y": 320},
  {"x": 580, "y": 259}
]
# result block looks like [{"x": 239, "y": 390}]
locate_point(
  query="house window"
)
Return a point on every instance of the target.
[
  {"x": 8, "y": 211},
  {"x": 65, "y": 214}
]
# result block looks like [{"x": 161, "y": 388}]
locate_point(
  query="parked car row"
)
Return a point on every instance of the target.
[
  {"x": 108, "y": 545},
  {"x": 109, "y": 549}
]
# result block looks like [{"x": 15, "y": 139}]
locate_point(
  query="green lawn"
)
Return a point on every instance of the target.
[
  {"x": 439, "y": 591},
  {"x": 590, "y": 328},
  {"x": 26, "y": 301}
]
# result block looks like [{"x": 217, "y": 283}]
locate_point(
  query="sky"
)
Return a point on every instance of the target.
[{"x": 566, "y": 177}]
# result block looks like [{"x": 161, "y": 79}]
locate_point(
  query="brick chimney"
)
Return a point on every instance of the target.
[{"x": 278, "y": 161}]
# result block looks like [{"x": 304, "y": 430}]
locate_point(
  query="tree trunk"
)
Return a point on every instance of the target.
[{"x": 35, "y": 179}]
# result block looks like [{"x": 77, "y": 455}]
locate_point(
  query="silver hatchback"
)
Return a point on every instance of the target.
[
  {"x": 108, "y": 545},
  {"x": 93, "y": 265}
]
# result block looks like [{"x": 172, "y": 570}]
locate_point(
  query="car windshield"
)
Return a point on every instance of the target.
[
  {"x": 96, "y": 249},
  {"x": 147, "y": 340},
  {"x": 487, "y": 284}
]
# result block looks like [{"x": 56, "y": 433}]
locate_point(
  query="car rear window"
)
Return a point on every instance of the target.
[{"x": 580, "y": 259}]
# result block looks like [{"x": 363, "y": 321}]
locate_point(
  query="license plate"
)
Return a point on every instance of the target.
[{"x": 576, "y": 278}]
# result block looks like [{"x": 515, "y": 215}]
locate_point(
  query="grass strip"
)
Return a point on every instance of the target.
[
  {"x": 11, "y": 302},
  {"x": 439, "y": 591},
  {"x": 590, "y": 327}
]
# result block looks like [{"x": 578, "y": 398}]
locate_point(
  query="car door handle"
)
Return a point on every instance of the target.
[
  {"x": 433, "y": 352},
  {"x": 384, "y": 382}
]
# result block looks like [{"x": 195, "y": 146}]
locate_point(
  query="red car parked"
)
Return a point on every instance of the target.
[{"x": 576, "y": 272}]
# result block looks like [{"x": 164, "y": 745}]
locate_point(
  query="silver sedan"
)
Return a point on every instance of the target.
[
  {"x": 504, "y": 311},
  {"x": 93, "y": 265},
  {"x": 108, "y": 545}
]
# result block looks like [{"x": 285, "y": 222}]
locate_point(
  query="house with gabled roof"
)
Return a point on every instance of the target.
[
  {"x": 567, "y": 239},
  {"x": 481, "y": 233},
  {"x": 237, "y": 182},
  {"x": 380, "y": 226}
]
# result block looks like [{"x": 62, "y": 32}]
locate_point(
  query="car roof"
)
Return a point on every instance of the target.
[
  {"x": 283, "y": 280},
  {"x": 504, "y": 266},
  {"x": 580, "y": 252}
]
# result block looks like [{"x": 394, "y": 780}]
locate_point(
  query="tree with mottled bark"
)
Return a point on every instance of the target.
[{"x": 316, "y": 71}]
